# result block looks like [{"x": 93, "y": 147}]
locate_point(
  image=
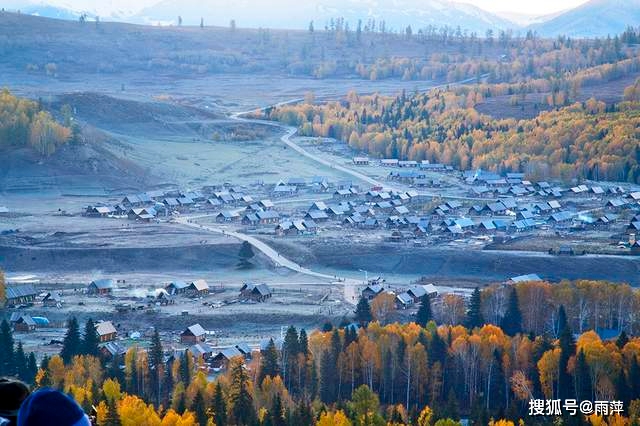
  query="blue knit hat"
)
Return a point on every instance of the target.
[{"x": 50, "y": 407}]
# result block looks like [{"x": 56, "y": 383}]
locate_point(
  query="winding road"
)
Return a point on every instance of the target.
[
  {"x": 289, "y": 132},
  {"x": 350, "y": 285}
]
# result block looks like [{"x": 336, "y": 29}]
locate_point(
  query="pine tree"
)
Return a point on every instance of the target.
[
  {"x": 328, "y": 381},
  {"x": 3, "y": 290},
  {"x": 363, "y": 311},
  {"x": 91, "y": 339},
  {"x": 302, "y": 415},
  {"x": 32, "y": 368},
  {"x": 7, "y": 364},
  {"x": 582, "y": 377},
  {"x": 200, "y": 409},
  {"x": 567, "y": 350},
  {"x": 245, "y": 255},
  {"x": 495, "y": 399},
  {"x": 44, "y": 365},
  {"x": 303, "y": 342},
  {"x": 115, "y": 372},
  {"x": 219, "y": 407},
  {"x": 167, "y": 383},
  {"x": 71, "y": 345},
  {"x": 21, "y": 366},
  {"x": 276, "y": 412},
  {"x": 622, "y": 340},
  {"x": 240, "y": 397},
  {"x": 474, "y": 314},
  {"x": 185, "y": 368},
  {"x": 512, "y": 320},
  {"x": 424, "y": 315},
  {"x": 621, "y": 388},
  {"x": 156, "y": 364},
  {"x": 634, "y": 379},
  {"x": 350, "y": 335},
  {"x": 562, "y": 320},
  {"x": 289, "y": 357},
  {"x": 112, "y": 418},
  {"x": 269, "y": 365},
  {"x": 437, "y": 350}
]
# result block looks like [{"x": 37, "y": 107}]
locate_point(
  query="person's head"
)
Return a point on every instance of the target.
[
  {"x": 12, "y": 393},
  {"x": 51, "y": 407}
]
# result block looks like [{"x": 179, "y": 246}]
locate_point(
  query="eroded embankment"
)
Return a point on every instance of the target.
[
  {"x": 461, "y": 264},
  {"x": 199, "y": 258}
]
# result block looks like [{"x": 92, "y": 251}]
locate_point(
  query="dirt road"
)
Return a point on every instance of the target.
[
  {"x": 350, "y": 284},
  {"x": 289, "y": 132}
]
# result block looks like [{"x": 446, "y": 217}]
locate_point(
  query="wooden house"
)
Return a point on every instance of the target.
[
  {"x": 106, "y": 331},
  {"x": 192, "y": 335},
  {"x": 100, "y": 287}
]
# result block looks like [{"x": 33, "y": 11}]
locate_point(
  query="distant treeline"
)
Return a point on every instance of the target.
[
  {"x": 366, "y": 49},
  {"x": 576, "y": 140},
  {"x": 24, "y": 124}
]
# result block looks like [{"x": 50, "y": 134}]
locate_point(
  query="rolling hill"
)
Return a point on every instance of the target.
[
  {"x": 397, "y": 14},
  {"x": 594, "y": 18}
]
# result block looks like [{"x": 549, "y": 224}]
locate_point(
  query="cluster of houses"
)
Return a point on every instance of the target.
[
  {"x": 403, "y": 299},
  {"x": 318, "y": 184},
  {"x": 152, "y": 204},
  {"x": 215, "y": 359}
]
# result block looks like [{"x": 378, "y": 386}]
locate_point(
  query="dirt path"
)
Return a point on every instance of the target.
[
  {"x": 289, "y": 132},
  {"x": 350, "y": 284}
]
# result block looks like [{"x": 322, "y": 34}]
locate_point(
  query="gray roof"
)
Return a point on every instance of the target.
[
  {"x": 200, "y": 349},
  {"x": 251, "y": 217},
  {"x": 375, "y": 288},
  {"x": 318, "y": 205},
  {"x": 229, "y": 353},
  {"x": 404, "y": 298},
  {"x": 27, "y": 320},
  {"x": 262, "y": 289},
  {"x": 561, "y": 216},
  {"x": 525, "y": 278},
  {"x": 244, "y": 348},
  {"x": 196, "y": 330},
  {"x": 14, "y": 291},
  {"x": 105, "y": 327},
  {"x": 103, "y": 284},
  {"x": 417, "y": 291},
  {"x": 178, "y": 285},
  {"x": 464, "y": 222},
  {"x": 113, "y": 348},
  {"x": 317, "y": 214},
  {"x": 199, "y": 285},
  {"x": 487, "y": 224},
  {"x": 269, "y": 214}
]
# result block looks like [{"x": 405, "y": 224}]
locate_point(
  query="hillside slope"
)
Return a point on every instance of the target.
[
  {"x": 396, "y": 15},
  {"x": 594, "y": 18}
]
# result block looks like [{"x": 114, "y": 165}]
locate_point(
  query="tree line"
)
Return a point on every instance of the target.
[
  {"x": 23, "y": 123},
  {"x": 585, "y": 140},
  {"x": 510, "y": 344}
]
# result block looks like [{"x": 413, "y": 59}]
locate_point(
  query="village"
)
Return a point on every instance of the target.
[
  {"x": 33, "y": 309},
  {"x": 417, "y": 203}
]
